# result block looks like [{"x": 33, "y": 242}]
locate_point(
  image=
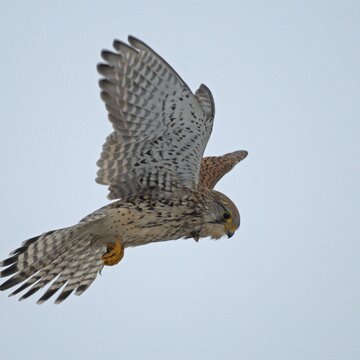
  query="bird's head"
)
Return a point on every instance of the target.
[{"x": 222, "y": 217}]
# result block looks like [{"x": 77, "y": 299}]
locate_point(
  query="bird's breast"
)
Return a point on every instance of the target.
[{"x": 136, "y": 225}]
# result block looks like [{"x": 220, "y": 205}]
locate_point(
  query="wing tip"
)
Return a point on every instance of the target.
[
  {"x": 239, "y": 154},
  {"x": 206, "y": 99},
  {"x": 133, "y": 40},
  {"x": 12, "y": 269}
]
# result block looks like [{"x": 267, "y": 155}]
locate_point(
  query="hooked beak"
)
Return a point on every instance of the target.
[
  {"x": 230, "y": 230},
  {"x": 229, "y": 234}
]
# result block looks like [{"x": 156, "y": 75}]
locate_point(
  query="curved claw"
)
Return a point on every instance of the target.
[{"x": 114, "y": 253}]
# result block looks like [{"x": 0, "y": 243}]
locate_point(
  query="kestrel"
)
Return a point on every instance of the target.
[{"x": 153, "y": 165}]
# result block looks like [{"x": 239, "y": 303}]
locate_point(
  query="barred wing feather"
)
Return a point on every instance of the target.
[{"x": 160, "y": 127}]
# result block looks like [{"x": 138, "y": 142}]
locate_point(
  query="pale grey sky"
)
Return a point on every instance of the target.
[{"x": 286, "y": 80}]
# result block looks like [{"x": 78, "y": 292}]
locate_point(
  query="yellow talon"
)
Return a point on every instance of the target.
[{"x": 114, "y": 254}]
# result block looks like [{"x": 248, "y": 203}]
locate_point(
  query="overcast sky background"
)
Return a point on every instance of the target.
[{"x": 286, "y": 80}]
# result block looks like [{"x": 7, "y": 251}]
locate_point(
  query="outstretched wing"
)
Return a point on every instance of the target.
[
  {"x": 213, "y": 168},
  {"x": 160, "y": 127}
]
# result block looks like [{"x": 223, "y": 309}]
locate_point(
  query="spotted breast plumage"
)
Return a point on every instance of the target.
[{"x": 153, "y": 166}]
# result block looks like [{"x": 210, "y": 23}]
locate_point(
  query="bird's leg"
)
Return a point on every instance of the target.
[{"x": 114, "y": 253}]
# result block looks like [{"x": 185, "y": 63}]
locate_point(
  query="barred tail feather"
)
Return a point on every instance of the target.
[{"x": 69, "y": 258}]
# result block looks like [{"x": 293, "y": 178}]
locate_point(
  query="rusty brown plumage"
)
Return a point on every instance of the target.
[{"x": 213, "y": 168}]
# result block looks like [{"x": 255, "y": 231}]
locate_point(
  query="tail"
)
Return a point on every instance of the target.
[{"x": 69, "y": 256}]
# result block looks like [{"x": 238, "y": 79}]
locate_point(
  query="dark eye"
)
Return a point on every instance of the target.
[{"x": 226, "y": 216}]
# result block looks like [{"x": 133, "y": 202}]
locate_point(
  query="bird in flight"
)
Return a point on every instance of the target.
[{"x": 155, "y": 171}]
